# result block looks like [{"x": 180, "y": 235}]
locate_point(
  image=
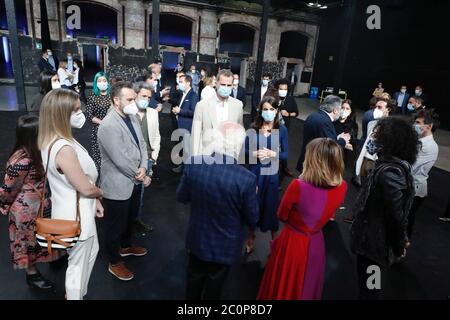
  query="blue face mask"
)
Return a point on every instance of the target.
[
  {"x": 182, "y": 87},
  {"x": 372, "y": 147},
  {"x": 418, "y": 129},
  {"x": 142, "y": 104},
  {"x": 268, "y": 115},
  {"x": 410, "y": 107},
  {"x": 224, "y": 91}
]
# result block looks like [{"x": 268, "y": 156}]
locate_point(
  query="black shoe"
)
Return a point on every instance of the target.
[
  {"x": 37, "y": 281},
  {"x": 349, "y": 219},
  {"x": 143, "y": 227}
]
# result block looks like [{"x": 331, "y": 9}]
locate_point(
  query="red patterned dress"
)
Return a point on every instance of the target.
[{"x": 21, "y": 202}]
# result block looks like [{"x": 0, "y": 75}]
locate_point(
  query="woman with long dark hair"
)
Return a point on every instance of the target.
[
  {"x": 265, "y": 150},
  {"x": 379, "y": 231},
  {"x": 347, "y": 124},
  {"x": 48, "y": 80},
  {"x": 20, "y": 200}
]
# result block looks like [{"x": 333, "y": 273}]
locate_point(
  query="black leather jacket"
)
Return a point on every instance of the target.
[{"x": 381, "y": 212}]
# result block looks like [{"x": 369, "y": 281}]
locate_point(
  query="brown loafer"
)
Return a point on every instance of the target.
[
  {"x": 120, "y": 271},
  {"x": 133, "y": 251}
]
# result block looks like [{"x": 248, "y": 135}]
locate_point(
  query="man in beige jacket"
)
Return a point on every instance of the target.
[{"x": 209, "y": 113}]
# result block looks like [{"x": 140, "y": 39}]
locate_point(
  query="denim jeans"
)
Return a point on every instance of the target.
[{"x": 150, "y": 164}]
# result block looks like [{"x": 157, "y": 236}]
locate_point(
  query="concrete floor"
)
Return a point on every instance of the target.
[{"x": 8, "y": 102}]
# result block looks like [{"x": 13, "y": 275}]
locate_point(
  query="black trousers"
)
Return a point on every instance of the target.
[
  {"x": 417, "y": 202},
  {"x": 118, "y": 222},
  {"x": 205, "y": 280},
  {"x": 362, "y": 263}
]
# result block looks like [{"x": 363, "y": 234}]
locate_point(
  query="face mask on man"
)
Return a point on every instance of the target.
[
  {"x": 131, "y": 109},
  {"x": 224, "y": 91},
  {"x": 377, "y": 114},
  {"x": 102, "y": 86},
  {"x": 56, "y": 85},
  {"x": 403, "y": 91},
  {"x": 418, "y": 92},
  {"x": 282, "y": 93},
  {"x": 178, "y": 80},
  {"x": 265, "y": 82},
  {"x": 268, "y": 115},
  {"x": 49, "y": 53},
  {"x": 236, "y": 82},
  {"x": 418, "y": 129},
  {"x": 410, "y": 107},
  {"x": 77, "y": 120},
  {"x": 143, "y": 104},
  {"x": 182, "y": 87}
]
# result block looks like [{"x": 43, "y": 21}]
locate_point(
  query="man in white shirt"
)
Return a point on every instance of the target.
[
  {"x": 401, "y": 97},
  {"x": 209, "y": 113},
  {"x": 426, "y": 122}
]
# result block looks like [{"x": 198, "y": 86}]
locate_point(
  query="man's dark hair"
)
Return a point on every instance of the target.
[
  {"x": 429, "y": 116},
  {"x": 267, "y": 75},
  {"x": 418, "y": 99},
  {"x": 396, "y": 137},
  {"x": 281, "y": 82},
  {"x": 116, "y": 89}
]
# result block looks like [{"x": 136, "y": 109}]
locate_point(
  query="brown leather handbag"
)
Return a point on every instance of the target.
[{"x": 56, "y": 233}]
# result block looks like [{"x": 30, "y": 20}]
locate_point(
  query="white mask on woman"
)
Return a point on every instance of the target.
[
  {"x": 56, "y": 85},
  {"x": 77, "y": 120},
  {"x": 102, "y": 86}
]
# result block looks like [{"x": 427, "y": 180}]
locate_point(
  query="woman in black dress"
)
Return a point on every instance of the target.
[
  {"x": 97, "y": 107},
  {"x": 347, "y": 124}
]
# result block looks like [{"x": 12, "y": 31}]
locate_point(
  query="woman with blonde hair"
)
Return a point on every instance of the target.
[
  {"x": 208, "y": 90},
  {"x": 296, "y": 267},
  {"x": 71, "y": 174}
]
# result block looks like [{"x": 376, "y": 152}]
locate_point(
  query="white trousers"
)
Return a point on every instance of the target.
[{"x": 81, "y": 262}]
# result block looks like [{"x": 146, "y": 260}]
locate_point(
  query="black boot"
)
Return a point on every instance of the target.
[{"x": 37, "y": 281}]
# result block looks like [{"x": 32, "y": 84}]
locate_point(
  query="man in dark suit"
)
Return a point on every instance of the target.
[
  {"x": 402, "y": 98},
  {"x": 175, "y": 97},
  {"x": 418, "y": 92},
  {"x": 185, "y": 110},
  {"x": 293, "y": 79},
  {"x": 320, "y": 125},
  {"x": 223, "y": 203},
  {"x": 238, "y": 91},
  {"x": 48, "y": 61},
  {"x": 259, "y": 92}
]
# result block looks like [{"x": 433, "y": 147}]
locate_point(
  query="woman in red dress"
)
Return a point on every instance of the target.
[{"x": 295, "y": 269}]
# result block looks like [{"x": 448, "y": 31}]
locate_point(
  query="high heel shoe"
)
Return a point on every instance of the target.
[{"x": 37, "y": 281}]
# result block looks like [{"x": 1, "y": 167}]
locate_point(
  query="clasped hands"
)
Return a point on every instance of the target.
[
  {"x": 142, "y": 177},
  {"x": 264, "y": 153},
  {"x": 346, "y": 137}
]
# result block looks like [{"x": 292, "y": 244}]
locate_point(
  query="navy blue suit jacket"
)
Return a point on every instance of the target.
[
  {"x": 405, "y": 101},
  {"x": 240, "y": 95},
  {"x": 187, "y": 110},
  {"x": 317, "y": 125},
  {"x": 223, "y": 203}
]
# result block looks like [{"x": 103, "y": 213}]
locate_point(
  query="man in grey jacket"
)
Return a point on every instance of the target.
[{"x": 124, "y": 166}]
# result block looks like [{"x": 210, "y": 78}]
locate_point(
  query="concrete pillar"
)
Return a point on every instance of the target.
[
  {"x": 208, "y": 33},
  {"x": 53, "y": 21},
  {"x": 272, "y": 42},
  {"x": 134, "y": 24}
]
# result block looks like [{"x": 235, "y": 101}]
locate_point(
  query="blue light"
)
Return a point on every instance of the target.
[
  {"x": 98, "y": 54},
  {"x": 6, "y": 49}
]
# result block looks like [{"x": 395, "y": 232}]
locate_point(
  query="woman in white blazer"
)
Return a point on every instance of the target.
[
  {"x": 70, "y": 171},
  {"x": 209, "y": 90}
]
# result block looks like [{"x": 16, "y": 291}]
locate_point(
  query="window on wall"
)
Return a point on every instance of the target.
[
  {"x": 293, "y": 45},
  {"x": 21, "y": 16},
  {"x": 174, "y": 31},
  {"x": 97, "y": 21},
  {"x": 236, "y": 38}
]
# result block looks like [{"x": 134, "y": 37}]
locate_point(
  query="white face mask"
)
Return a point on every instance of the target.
[
  {"x": 131, "y": 109},
  {"x": 345, "y": 114},
  {"x": 102, "y": 86},
  {"x": 56, "y": 85},
  {"x": 403, "y": 91},
  {"x": 236, "y": 82},
  {"x": 377, "y": 114},
  {"x": 77, "y": 120},
  {"x": 265, "y": 82},
  {"x": 418, "y": 92},
  {"x": 282, "y": 93}
]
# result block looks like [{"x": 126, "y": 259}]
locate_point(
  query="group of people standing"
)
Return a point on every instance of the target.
[{"x": 228, "y": 201}]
